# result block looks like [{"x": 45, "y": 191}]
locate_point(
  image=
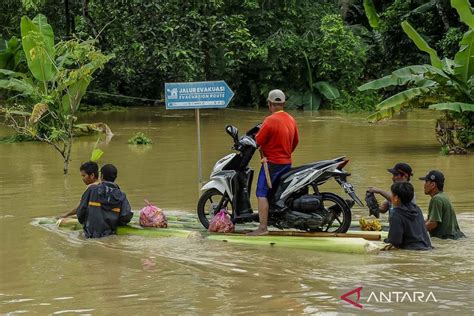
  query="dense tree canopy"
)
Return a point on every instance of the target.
[{"x": 254, "y": 45}]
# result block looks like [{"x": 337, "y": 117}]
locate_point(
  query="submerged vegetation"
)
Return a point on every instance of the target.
[{"x": 139, "y": 139}]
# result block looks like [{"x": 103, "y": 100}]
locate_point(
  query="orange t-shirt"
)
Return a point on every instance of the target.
[{"x": 278, "y": 137}]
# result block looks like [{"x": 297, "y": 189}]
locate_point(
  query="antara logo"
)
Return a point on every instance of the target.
[{"x": 389, "y": 297}]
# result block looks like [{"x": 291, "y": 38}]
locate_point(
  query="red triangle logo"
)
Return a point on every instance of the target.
[{"x": 348, "y": 300}]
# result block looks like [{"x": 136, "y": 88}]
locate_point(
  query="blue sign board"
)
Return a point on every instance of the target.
[{"x": 197, "y": 95}]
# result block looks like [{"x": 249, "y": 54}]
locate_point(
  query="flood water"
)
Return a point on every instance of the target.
[{"x": 43, "y": 272}]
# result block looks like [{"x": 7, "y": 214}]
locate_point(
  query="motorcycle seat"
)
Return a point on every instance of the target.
[{"x": 319, "y": 164}]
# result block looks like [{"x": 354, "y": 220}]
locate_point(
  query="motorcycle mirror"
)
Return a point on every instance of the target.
[{"x": 232, "y": 131}]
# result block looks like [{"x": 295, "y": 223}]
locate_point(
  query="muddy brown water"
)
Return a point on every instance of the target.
[{"x": 47, "y": 272}]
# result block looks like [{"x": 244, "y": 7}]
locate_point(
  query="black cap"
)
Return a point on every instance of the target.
[
  {"x": 434, "y": 176},
  {"x": 402, "y": 168}
]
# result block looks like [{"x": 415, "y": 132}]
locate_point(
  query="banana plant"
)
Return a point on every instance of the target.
[
  {"x": 48, "y": 97},
  {"x": 309, "y": 99},
  {"x": 445, "y": 85}
]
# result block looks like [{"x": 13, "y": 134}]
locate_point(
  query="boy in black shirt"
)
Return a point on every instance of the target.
[
  {"x": 90, "y": 176},
  {"x": 104, "y": 206},
  {"x": 407, "y": 226}
]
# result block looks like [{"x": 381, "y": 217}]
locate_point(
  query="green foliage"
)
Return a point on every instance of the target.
[
  {"x": 444, "y": 150},
  {"x": 50, "y": 92},
  {"x": 444, "y": 86},
  {"x": 449, "y": 44},
  {"x": 15, "y": 138},
  {"x": 359, "y": 101},
  {"x": 107, "y": 107},
  {"x": 421, "y": 44},
  {"x": 341, "y": 54},
  {"x": 10, "y": 54},
  {"x": 371, "y": 13},
  {"x": 139, "y": 139}
]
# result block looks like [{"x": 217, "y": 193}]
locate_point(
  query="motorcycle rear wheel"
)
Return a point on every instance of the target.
[
  {"x": 210, "y": 203},
  {"x": 342, "y": 213}
]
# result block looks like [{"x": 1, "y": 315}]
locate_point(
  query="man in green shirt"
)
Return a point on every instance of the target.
[{"x": 441, "y": 221}]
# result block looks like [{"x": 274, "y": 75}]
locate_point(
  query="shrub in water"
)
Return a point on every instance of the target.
[{"x": 139, "y": 139}]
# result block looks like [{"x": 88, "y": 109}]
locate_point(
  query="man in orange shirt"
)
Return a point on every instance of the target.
[{"x": 277, "y": 139}]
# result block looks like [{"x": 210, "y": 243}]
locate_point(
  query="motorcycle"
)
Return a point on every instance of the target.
[{"x": 295, "y": 200}]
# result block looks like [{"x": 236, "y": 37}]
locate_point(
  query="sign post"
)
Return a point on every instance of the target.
[{"x": 197, "y": 95}]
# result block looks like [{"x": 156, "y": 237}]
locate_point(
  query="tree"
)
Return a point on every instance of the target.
[
  {"x": 49, "y": 95},
  {"x": 446, "y": 85}
]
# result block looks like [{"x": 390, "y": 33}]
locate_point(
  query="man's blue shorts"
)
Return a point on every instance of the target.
[{"x": 276, "y": 171}]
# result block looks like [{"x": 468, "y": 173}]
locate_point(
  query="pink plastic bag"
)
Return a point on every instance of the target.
[
  {"x": 152, "y": 216},
  {"x": 221, "y": 223}
]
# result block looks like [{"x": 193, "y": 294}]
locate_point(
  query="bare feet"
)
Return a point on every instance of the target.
[{"x": 258, "y": 232}]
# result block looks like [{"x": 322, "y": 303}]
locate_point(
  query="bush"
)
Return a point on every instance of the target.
[
  {"x": 359, "y": 101},
  {"x": 448, "y": 46},
  {"x": 342, "y": 54},
  {"x": 139, "y": 139}
]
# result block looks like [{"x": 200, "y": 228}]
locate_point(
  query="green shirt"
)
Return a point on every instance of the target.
[{"x": 441, "y": 211}]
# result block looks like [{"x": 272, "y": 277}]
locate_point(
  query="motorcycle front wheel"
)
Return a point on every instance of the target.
[
  {"x": 341, "y": 213},
  {"x": 210, "y": 203}
]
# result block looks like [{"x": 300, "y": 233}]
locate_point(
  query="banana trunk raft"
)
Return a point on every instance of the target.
[{"x": 187, "y": 226}]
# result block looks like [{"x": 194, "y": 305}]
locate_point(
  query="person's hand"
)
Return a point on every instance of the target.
[
  {"x": 264, "y": 160},
  {"x": 374, "y": 190},
  {"x": 64, "y": 215}
]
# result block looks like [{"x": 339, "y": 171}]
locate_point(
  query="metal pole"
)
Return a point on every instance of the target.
[{"x": 198, "y": 126}]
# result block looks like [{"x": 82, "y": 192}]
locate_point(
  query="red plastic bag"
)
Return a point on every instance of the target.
[
  {"x": 221, "y": 223},
  {"x": 152, "y": 216}
]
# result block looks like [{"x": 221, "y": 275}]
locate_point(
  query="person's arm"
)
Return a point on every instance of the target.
[
  {"x": 384, "y": 207},
  {"x": 295, "y": 140},
  {"x": 262, "y": 135},
  {"x": 435, "y": 210},
  {"x": 126, "y": 213},
  {"x": 67, "y": 214},
  {"x": 385, "y": 194},
  {"x": 82, "y": 209},
  {"x": 395, "y": 232}
]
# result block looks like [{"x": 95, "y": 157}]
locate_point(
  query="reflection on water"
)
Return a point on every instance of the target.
[{"x": 49, "y": 273}]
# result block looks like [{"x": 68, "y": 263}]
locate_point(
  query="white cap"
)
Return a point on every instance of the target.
[{"x": 276, "y": 96}]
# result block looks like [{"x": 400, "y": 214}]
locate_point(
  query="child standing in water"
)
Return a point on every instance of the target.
[
  {"x": 104, "y": 206},
  {"x": 90, "y": 176}
]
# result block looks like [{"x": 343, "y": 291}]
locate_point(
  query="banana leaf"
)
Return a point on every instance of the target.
[
  {"x": 17, "y": 85},
  {"x": 96, "y": 154},
  {"x": 421, "y": 44},
  {"x": 329, "y": 91},
  {"x": 72, "y": 99},
  {"x": 371, "y": 14},
  {"x": 390, "y": 106},
  {"x": 303, "y": 101},
  {"x": 38, "y": 110},
  {"x": 38, "y": 44},
  {"x": 405, "y": 75},
  {"x": 464, "y": 59},
  {"x": 91, "y": 128},
  {"x": 453, "y": 106},
  {"x": 12, "y": 74},
  {"x": 464, "y": 10}
]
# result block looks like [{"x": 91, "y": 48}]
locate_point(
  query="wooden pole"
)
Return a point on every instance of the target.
[
  {"x": 198, "y": 126},
  {"x": 266, "y": 171}
]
